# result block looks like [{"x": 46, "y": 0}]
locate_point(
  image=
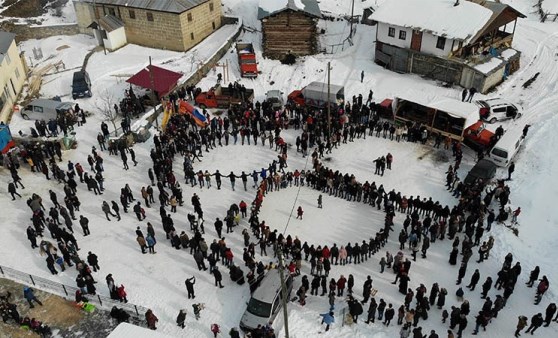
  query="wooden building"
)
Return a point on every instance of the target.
[{"x": 289, "y": 27}]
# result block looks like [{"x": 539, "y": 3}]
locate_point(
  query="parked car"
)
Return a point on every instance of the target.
[
  {"x": 507, "y": 147},
  {"x": 275, "y": 99},
  {"x": 484, "y": 171},
  {"x": 266, "y": 301},
  {"x": 45, "y": 109},
  {"x": 477, "y": 137},
  {"x": 81, "y": 85},
  {"x": 496, "y": 109}
]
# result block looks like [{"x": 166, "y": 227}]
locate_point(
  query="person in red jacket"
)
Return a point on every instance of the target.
[
  {"x": 243, "y": 208},
  {"x": 122, "y": 293},
  {"x": 215, "y": 329},
  {"x": 325, "y": 252},
  {"x": 341, "y": 285}
]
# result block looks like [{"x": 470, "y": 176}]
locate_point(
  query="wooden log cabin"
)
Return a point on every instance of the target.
[{"x": 289, "y": 27}]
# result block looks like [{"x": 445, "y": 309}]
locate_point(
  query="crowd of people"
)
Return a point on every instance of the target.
[{"x": 425, "y": 221}]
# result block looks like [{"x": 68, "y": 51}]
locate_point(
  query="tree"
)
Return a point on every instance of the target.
[{"x": 105, "y": 105}]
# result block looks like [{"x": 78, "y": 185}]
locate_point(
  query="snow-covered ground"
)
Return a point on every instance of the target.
[{"x": 157, "y": 281}]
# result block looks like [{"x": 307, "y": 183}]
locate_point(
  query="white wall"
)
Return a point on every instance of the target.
[
  {"x": 382, "y": 35},
  {"x": 428, "y": 45},
  {"x": 115, "y": 39}
]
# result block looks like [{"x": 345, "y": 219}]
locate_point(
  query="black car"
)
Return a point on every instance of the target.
[
  {"x": 484, "y": 171},
  {"x": 81, "y": 85}
]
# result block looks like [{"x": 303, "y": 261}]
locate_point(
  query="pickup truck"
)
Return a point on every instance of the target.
[
  {"x": 477, "y": 137},
  {"x": 247, "y": 60},
  {"x": 223, "y": 97}
]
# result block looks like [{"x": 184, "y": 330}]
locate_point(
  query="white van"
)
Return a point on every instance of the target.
[
  {"x": 266, "y": 301},
  {"x": 506, "y": 147}
]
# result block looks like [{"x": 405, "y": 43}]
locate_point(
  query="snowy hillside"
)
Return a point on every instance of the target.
[{"x": 157, "y": 281}]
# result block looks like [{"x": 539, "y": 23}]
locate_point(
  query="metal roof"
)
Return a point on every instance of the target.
[
  {"x": 310, "y": 7},
  {"x": 110, "y": 23},
  {"x": 170, "y": 6},
  {"x": 6, "y": 39}
]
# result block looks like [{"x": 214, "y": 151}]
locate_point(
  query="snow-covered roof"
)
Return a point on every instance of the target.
[
  {"x": 456, "y": 108},
  {"x": 268, "y": 8},
  {"x": 508, "y": 53},
  {"x": 126, "y": 330},
  {"x": 489, "y": 65},
  {"x": 439, "y": 17}
]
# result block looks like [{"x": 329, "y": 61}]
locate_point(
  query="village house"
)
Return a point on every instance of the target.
[
  {"x": 289, "y": 27},
  {"x": 467, "y": 43},
  {"x": 13, "y": 73},
  {"x": 165, "y": 24}
]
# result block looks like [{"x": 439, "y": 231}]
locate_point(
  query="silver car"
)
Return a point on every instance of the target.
[
  {"x": 275, "y": 99},
  {"x": 266, "y": 301}
]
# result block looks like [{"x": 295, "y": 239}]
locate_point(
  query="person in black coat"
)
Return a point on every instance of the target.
[
  {"x": 190, "y": 287},
  {"x": 536, "y": 322},
  {"x": 533, "y": 276},
  {"x": 93, "y": 261},
  {"x": 486, "y": 287},
  {"x": 12, "y": 190},
  {"x": 474, "y": 280},
  {"x": 218, "y": 277}
]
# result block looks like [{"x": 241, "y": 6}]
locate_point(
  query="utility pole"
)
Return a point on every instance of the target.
[
  {"x": 283, "y": 291},
  {"x": 154, "y": 98},
  {"x": 352, "y": 16},
  {"x": 328, "y": 103}
]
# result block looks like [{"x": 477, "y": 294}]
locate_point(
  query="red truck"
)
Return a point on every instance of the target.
[
  {"x": 477, "y": 137},
  {"x": 222, "y": 97},
  {"x": 247, "y": 59}
]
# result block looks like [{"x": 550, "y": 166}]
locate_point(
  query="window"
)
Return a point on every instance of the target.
[
  {"x": 402, "y": 35},
  {"x": 189, "y": 17},
  {"x": 192, "y": 36},
  {"x": 111, "y": 11},
  {"x": 441, "y": 43},
  {"x": 132, "y": 14},
  {"x": 213, "y": 25},
  {"x": 8, "y": 60},
  {"x": 391, "y": 32},
  {"x": 37, "y": 109},
  {"x": 17, "y": 73},
  {"x": 149, "y": 16},
  {"x": 211, "y": 6}
]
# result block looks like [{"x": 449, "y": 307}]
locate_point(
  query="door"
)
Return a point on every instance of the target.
[{"x": 416, "y": 40}]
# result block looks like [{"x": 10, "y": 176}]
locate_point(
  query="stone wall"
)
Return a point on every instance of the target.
[
  {"x": 170, "y": 31},
  {"x": 204, "y": 23},
  {"x": 24, "y": 32}
]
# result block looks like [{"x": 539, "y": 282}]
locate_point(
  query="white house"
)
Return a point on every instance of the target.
[
  {"x": 110, "y": 32},
  {"x": 13, "y": 74},
  {"x": 438, "y": 38}
]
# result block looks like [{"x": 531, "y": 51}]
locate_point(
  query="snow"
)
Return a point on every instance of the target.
[
  {"x": 439, "y": 17},
  {"x": 550, "y": 6},
  {"x": 125, "y": 330},
  {"x": 157, "y": 281},
  {"x": 508, "y": 53},
  {"x": 272, "y": 6},
  {"x": 489, "y": 65}
]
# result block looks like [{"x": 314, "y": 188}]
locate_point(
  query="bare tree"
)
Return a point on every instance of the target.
[{"x": 105, "y": 105}]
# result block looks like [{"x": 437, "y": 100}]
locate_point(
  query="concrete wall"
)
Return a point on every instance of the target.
[
  {"x": 167, "y": 30},
  {"x": 12, "y": 78},
  {"x": 383, "y": 31}
]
